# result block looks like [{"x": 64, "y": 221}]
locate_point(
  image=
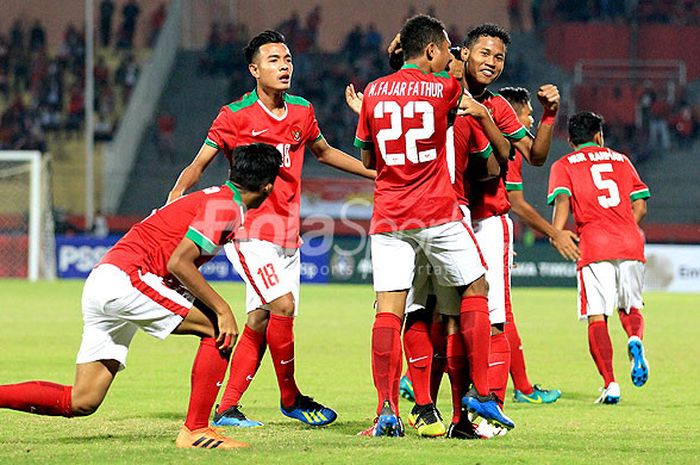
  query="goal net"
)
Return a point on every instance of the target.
[{"x": 27, "y": 244}]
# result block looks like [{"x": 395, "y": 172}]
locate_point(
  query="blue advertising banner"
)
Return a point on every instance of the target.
[{"x": 77, "y": 255}]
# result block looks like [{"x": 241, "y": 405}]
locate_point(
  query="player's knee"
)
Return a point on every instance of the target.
[
  {"x": 283, "y": 305},
  {"x": 257, "y": 320},
  {"x": 83, "y": 406},
  {"x": 478, "y": 287}
]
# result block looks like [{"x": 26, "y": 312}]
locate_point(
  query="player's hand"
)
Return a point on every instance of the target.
[
  {"x": 395, "y": 45},
  {"x": 228, "y": 330},
  {"x": 469, "y": 106},
  {"x": 548, "y": 95},
  {"x": 565, "y": 243},
  {"x": 515, "y": 264},
  {"x": 353, "y": 98}
]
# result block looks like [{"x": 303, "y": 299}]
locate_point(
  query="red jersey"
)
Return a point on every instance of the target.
[
  {"x": 247, "y": 121},
  {"x": 465, "y": 139},
  {"x": 404, "y": 120},
  {"x": 490, "y": 198},
  {"x": 601, "y": 202},
  {"x": 208, "y": 217},
  {"x": 514, "y": 174}
]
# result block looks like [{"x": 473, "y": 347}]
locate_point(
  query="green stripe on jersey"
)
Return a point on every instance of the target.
[
  {"x": 201, "y": 240},
  {"x": 517, "y": 135},
  {"x": 320, "y": 136},
  {"x": 247, "y": 100},
  {"x": 488, "y": 150},
  {"x": 296, "y": 100},
  {"x": 557, "y": 191},
  {"x": 361, "y": 144},
  {"x": 211, "y": 143},
  {"x": 514, "y": 186},
  {"x": 641, "y": 194}
]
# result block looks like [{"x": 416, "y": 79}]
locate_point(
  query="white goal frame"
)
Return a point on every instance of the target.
[{"x": 34, "y": 158}]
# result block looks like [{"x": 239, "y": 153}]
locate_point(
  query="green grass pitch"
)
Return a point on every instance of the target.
[{"x": 40, "y": 327}]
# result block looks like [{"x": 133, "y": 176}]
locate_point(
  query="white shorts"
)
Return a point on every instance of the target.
[
  {"x": 450, "y": 250},
  {"x": 269, "y": 271},
  {"x": 604, "y": 287},
  {"x": 495, "y": 237},
  {"x": 115, "y": 305}
]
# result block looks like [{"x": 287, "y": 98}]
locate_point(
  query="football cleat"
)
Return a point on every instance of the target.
[
  {"x": 387, "y": 423},
  {"x": 205, "y": 438},
  {"x": 233, "y": 416},
  {"x": 426, "y": 419},
  {"x": 640, "y": 366},
  {"x": 372, "y": 430},
  {"x": 464, "y": 429},
  {"x": 609, "y": 395},
  {"x": 539, "y": 395},
  {"x": 308, "y": 411},
  {"x": 486, "y": 430},
  {"x": 487, "y": 408},
  {"x": 406, "y": 389}
]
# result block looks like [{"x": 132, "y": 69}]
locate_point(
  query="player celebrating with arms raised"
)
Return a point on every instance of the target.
[
  {"x": 139, "y": 284},
  {"x": 401, "y": 131},
  {"x": 607, "y": 200},
  {"x": 268, "y": 256}
]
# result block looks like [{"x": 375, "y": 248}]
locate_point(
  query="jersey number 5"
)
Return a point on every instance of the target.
[
  {"x": 396, "y": 115},
  {"x": 612, "y": 199}
]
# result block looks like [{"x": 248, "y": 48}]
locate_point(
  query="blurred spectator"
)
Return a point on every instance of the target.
[
  {"x": 37, "y": 37},
  {"x": 156, "y": 22},
  {"x": 683, "y": 125},
  {"x": 515, "y": 15},
  {"x": 130, "y": 14},
  {"x": 165, "y": 135},
  {"x": 313, "y": 22},
  {"x": 127, "y": 75},
  {"x": 17, "y": 35},
  {"x": 373, "y": 39},
  {"x": 659, "y": 135},
  {"x": 76, "y": 110},
  {"x": 106, "y": 13}
]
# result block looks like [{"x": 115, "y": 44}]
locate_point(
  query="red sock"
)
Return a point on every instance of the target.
[
  {"x": 457, "y": 370},
  {"x": 38, "y": 397},
  {"x": 601, "y": 349},
  {"x": 438, "y": 338},
  {"x": 208, "y": 373},
  {"x": 244, "y": 364},
  {"x": 517, "y": 360},
  {"x": 280, "y": 339},
  {"x": 419, "y": 352},
  {"x": 476, "y": 333},
  {"x": 633, "y": 322},
  {"x": 386, "y": 364},
  {"x": 499, "y": 365}
]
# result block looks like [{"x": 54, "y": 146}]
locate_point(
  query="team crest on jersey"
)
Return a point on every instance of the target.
[{"x": 296, "y": 133}]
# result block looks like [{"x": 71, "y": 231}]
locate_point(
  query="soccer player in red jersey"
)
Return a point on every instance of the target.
[
  {"x": 149, "y": 280},
  {"x": 267, "y": 255},
  {"x": 562, "y": 240},
  {"x": 607, "y": 200},
  {"x": 401, "y": 132}
]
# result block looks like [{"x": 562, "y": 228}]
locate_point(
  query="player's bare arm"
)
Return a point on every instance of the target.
[
  {"x": 368, "y": 159},
  {"x": 639, "y": 210},
  {"x": 561, "y": 239},
  {"x": 353, "y": 98},
  {"x": 338, "y": 159},
  {"x": 182, "y": 265},
  {"x": 501, "y": 146},
  {"x": 560, "y": 215},
  {"x": 535, "y": 149},
  {"x": 193, "y": 172}
]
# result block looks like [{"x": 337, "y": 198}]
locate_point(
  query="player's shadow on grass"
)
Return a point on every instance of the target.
[{"x": 165, "y": 415}]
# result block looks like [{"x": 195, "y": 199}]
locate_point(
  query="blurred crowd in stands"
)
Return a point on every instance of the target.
[
  {"x": 42, "y": 87},
  {"x": 677, "y": 12}
]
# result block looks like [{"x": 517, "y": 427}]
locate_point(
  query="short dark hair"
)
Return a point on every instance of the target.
[
  {"x": 487, "y": 30},
  {"x": 516, "y": 96},
  {"x": 265, "y": 37},
  {"x": 418, "y": 32},
  {"x": 255, "y": 165},
  {"x": 583, "y": 126},
  {"x": 456, "y": 52}
]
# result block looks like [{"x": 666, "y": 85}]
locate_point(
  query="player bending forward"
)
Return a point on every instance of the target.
[
  {"x": 608, "y": 200},
  {"x": 267, "y": 254},
  {"x": 148, "y": 280},
  {"x": 401, "y": 131}
]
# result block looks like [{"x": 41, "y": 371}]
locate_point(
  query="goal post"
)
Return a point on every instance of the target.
[{"x": 27, "y": 242}]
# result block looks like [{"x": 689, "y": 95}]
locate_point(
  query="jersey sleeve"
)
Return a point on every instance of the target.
[
  {"x": 507, "y": 120},
  {"x": 478, "y": 144},
  {"x": 222, "y": 133},
  {"x": 312, "y": 129},
  {"x": 559, "y": 182},
  {"x": 363, "y": 135},
  {"x": 639, "y": 189},
  {"x": 211, "y": 228},
  {"x": 514, "y": 175}
]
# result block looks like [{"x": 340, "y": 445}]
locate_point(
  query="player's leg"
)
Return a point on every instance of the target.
[
  {"x": 597, "y": 289},
  {"x": 438, "y": 339},
  {"x": 416, "y": 301},
  {"x": 629, "y": 305}
]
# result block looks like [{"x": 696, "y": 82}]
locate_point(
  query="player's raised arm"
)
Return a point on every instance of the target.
[
  {"x": 535, "y": 150},
  {"x": 338, "y": 159},
  {"x": 182, "y": 265},
  {"x": 501, "y": 146},
  {"x": 193, "y": 172}
]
